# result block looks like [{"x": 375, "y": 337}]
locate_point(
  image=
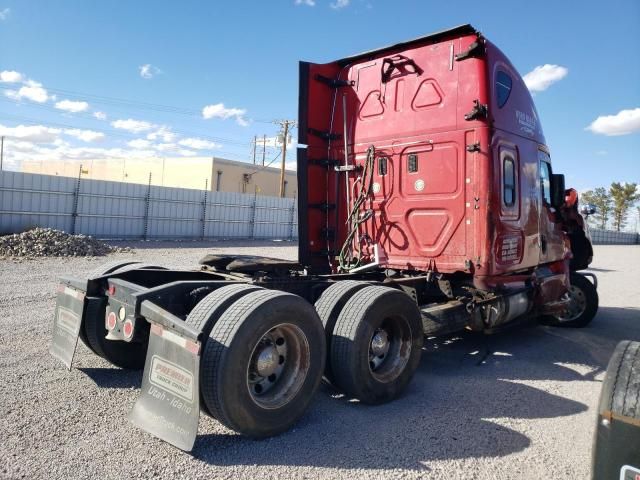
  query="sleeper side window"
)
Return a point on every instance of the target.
[
  {"x": 545, "y": 181},
  {"x": 508, "y": 181},
  {"x": 503, "y": 88}
]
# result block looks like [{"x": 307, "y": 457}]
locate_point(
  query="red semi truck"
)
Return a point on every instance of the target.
[{"x": 428, "y": 204}]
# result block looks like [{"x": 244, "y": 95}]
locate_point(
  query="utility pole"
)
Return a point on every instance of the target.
[
  {"x": 264, "y": 148},
  {"x": 1, "y": 152},
  {"x": 255, "y": 147},
  {"x": 285, "y": 124}
]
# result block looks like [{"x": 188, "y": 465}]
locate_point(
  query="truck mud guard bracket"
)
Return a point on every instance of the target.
[{"x": 163, "y": 294}]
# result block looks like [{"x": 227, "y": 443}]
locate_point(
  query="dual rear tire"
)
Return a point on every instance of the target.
[
  {"x": 375, "y": 339},
  {"x": 265, "y": 351},
  {"x": 262, "y": 360}
]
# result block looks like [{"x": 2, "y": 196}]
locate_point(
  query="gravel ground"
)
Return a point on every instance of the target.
[{"x": 513, "y": 405}]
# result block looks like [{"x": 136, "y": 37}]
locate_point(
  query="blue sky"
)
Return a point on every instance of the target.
[{"x": 244, "y": 55}]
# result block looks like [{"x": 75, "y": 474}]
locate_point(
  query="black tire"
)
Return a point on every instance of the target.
[
  {"x": 587, "y": 292},
  {"x": 130, "y": 356},
  {"x": 621, "y": 387},
  {"x": 620, "y": 396},
  {"x": 329, "y": 306},
  {"x": 111, "y": 267},
  {"x": 207, "y": 312},
  {"x": 375, "y": 309},
  {"x": 119, "y": 353},
  {"x": 231, "y": 348}
]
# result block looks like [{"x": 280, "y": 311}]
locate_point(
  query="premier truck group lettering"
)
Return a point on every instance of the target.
[{"x": 171, "y": 378}]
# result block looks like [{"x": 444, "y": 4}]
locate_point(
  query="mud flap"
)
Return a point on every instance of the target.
[
  {"x": 66, "y": 324},
  {"x": 169, "y": 403}
]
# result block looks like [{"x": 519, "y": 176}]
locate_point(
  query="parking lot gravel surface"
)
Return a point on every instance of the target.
[{"x": 519, "y": 404}]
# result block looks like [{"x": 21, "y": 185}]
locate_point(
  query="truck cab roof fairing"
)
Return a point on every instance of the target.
[{"x": 460, "y": 30}]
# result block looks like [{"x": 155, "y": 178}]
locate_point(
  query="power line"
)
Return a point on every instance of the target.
[
  {"x": 114, "y": 101},
  {"x": 177, "y": 131},
  {"x": 116, "y": 134}
]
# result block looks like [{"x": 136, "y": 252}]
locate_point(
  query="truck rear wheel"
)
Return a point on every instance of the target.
[
  {"x": 377, "y": 344},
  {"x": 263, "y": 362},
  {"x": 207, "y": 312},
  {"x": 583, "y": 304},
  {"x": 617, "y": 433},
  {"x": 329, "y": 306},
  {"x": 121, "y": 354}
]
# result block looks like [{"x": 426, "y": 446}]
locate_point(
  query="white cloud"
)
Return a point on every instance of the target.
[
  {"x": 134, "y": 126},
  {"x": 40, "y": 134},
  {"x": 198, "y": 144},
  {"x": 622, "y": 123},
  {"x": 4, "y": 13},
  {"x": 11, "y": 76},
  {"x": 218, "y": 110},
  {"x": 163, "y": 147},
  {"x": 31, "y": 90},
  {"x": 31, "y": 133},
  {"x": 543, "y": 76},
  {"x": 308, "y": 3},
  {"x": 72, "y": 106},
  {"x": 85, "y": 135},
  {"x": 148, "y": 71},
  {"x": 163, "y": 133},
  {"x": 187, "y": 153},
  {"x": 100, "y": 115},
  {"x": 340, "y": 4},
  {"x": 139, "y": 143}
]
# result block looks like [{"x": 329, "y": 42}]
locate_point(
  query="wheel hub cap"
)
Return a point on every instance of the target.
[
  {"x": 380, "y": 343},
  {"x": 278, "y": 366},
  {"x": 267, "y": 361},
  {"x": 577, "y": 304}
]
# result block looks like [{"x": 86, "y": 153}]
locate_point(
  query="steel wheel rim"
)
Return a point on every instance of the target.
[
  {"x": 389, "y": 349},
  {"x": 577, "y": 304},
  {"x": 278, "y": 366}
]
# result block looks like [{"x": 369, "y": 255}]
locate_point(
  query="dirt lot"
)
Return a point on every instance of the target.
[{"x": 514, "y": 405}]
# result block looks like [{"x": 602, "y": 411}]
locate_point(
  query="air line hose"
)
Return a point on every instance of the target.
[{"x": 347, "y": 260}]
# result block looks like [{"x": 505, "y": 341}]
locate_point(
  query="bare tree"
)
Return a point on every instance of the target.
[
  {"x": 601, "y": 199},
  {"x": 624, "y": 195}
]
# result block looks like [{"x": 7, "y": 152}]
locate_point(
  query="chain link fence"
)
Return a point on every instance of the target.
[{"x": 116, "y": 210}]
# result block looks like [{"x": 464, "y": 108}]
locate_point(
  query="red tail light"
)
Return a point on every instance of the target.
[
  {"x": 127, "y": 329},
  {"x": 111, "y": 321}
]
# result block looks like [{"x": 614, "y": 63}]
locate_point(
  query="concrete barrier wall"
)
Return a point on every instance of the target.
[{"x": 106, "y": 209}]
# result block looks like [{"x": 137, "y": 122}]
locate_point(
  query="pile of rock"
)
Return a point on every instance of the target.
[{"x": 47, "y": 242}]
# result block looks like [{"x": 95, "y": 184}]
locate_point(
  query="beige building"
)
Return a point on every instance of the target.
[{"x": 217, "y": 174}]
